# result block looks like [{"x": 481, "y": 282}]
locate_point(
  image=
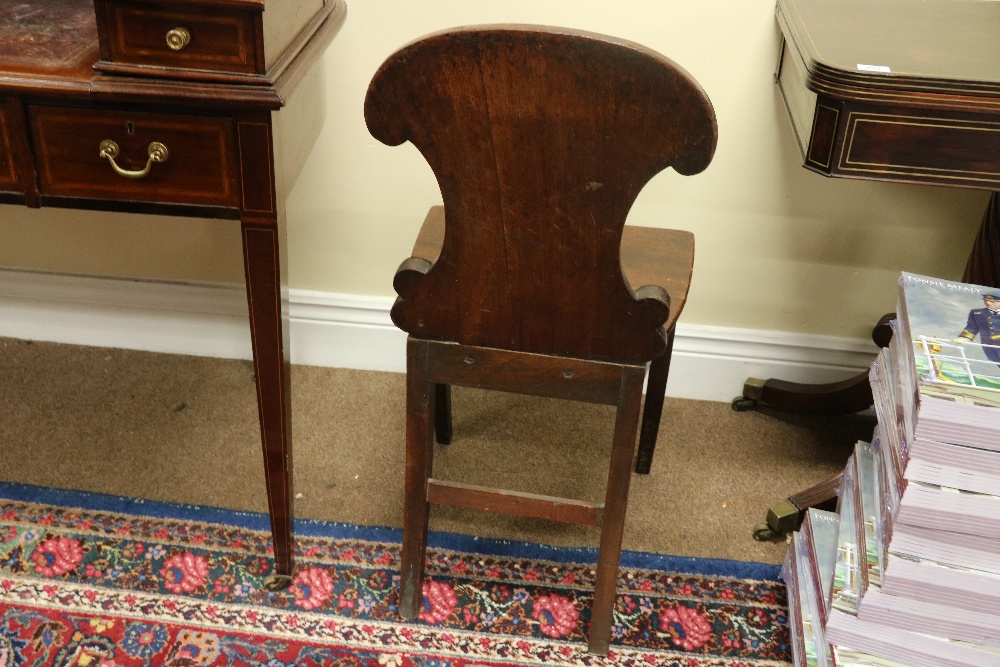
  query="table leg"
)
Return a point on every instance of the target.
[
  {"x": 262, "y": 226},
  {"x": 834, "y": 398},
  {"x": 787, "y": 515},
  {"x": 982, "y": 268},
  {"x": 269, "y": 331},
  {"x": 853, "y": 395}
]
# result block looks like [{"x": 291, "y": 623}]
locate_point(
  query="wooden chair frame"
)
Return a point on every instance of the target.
[
  {"x": 433, "y": 364},
  {"x": 541, "y": 140}
]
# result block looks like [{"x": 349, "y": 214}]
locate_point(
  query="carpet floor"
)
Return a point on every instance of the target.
[{"x": 89, "y": 580}]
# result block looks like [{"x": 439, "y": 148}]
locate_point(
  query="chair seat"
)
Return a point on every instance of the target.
[{"x": 650, "y": 256}]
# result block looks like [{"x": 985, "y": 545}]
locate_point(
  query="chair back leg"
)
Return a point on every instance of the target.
[
  {"x": 656, "y": 388},
  {"x": 442, "y": 413},
  {"x": 419, "y": 460}
]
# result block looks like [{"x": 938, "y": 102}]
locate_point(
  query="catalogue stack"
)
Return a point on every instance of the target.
[{"x": 907, "y": 571}]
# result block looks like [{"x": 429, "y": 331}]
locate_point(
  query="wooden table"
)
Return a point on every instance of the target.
[
  {"x": 905, "y": 91},
  {"x": 173, "y": 108}
]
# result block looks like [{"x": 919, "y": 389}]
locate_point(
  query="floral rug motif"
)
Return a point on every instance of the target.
[{"x": 96, "y": 581}]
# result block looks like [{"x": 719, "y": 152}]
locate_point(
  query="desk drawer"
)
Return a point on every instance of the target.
[
  {"x": 195, "y": 161},
  {"x": 196, "y": 38},
  {"x": 927, "y": 146}
]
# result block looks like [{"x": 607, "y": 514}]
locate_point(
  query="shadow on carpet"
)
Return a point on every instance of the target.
[{"x": 89, "y": 580}]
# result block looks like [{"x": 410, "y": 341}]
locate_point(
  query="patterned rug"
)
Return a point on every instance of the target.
[{"x": 99, "y": 581}]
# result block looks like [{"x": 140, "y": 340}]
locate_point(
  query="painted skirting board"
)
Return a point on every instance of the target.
[{"x": 352, "y": 331}]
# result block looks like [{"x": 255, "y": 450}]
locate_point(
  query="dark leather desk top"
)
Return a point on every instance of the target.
[{"x": 50, "y": 35}]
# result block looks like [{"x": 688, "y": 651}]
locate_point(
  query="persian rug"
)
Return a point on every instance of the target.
[{"x": 99, "y": 581}]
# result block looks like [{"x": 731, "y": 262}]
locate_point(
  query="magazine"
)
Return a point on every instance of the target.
[
  {"x": 868, "y": 513},
  {"x": 964, "y": 467},
  {"x": 905, "y": 646},
  {"x": 950, "y": 373},
  {"x": 809, "y": 604},
  {"x": 846, "y": 588},
  {"x": 819, "y": 532},
  {"x": 939, "y": 620},
  {"x": 800, "y": 628},
  {"x": 948, "y": 585},
  {"x": 946, "y": 547}
]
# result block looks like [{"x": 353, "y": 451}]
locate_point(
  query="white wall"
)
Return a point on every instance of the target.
[{"x": 778, "y": 248}]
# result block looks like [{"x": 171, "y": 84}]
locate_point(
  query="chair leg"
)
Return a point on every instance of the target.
[
  {"x": 419, "y": 449},
  {"x": 656, "y": 387},
  {"x": 442, "y": 413},
  {"x": 615, "y": 502}
]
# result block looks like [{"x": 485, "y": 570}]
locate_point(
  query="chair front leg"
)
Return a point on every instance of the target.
[
  {"x": 419, "y": 450},
  {"x": 656, "y": 388}
]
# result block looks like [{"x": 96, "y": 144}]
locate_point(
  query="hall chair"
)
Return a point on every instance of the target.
[{"x": 527, "y": 279}]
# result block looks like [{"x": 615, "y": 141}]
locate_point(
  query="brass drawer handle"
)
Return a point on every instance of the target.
[
  {"x": 157, "y": 153},
  {"x": 178, "y": 38}
]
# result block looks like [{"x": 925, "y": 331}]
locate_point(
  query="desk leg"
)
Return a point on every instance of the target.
[
  {"x": 854, "y": 395},
  {"x": 262, "y": 226},
  {"x": 835, "y": 398},
  {"x": 268, "y": 327},
  {"x": 838, "y": 398}
]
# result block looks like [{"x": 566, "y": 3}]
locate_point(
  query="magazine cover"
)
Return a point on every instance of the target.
[
  {"x": 817, "y": 649},
  {"x": 867, "y": 513},
  {"x": 819, "y": 531},
  {"x": 796, "y": 626},
  {"x": 846, "y": 589},
  {"x": 954, "y": 329}
]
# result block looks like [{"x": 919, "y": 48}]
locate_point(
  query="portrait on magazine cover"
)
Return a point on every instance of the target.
[{"x": 955, "y": 329}]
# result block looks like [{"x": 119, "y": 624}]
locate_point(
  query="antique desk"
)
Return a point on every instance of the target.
[
  {"x": 905, "y": 91},
  {"x": 172, "y": 107}
]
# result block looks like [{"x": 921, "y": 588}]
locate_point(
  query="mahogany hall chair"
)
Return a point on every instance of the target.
[{"x": 527, "y": 280}]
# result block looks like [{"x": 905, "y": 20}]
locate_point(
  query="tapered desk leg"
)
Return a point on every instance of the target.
[
  {"x": 262, "y": 226},
  {"x": 787, "y": 515},
  {"x": 851, "y": 395},
  {"x": 268, "y": 327}
]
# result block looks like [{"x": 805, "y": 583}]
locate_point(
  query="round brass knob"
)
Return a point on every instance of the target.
[{"x": 178, "y": 38}]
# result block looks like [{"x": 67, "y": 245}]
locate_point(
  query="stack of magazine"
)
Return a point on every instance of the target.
[{"x": 907, "y": 571}]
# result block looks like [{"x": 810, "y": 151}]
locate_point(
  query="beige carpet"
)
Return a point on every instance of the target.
[{"x": 184, "y": 429}]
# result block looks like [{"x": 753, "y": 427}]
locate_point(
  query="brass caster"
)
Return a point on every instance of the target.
[
  {"x": 742, "y": 404},
  {"x": 277, "y": 582},
  {"x": 764, "y": 533}
]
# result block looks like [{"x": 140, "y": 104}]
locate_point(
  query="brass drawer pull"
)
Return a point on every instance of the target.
[
  {"x": 157, "y": 153},
  {"x": 178, "y": 38}
]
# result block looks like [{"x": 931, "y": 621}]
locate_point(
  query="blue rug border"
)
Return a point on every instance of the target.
[{"x": 440, "y": 540}]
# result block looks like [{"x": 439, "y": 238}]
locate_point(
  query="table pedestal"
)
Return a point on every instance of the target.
[{"x": 854, "y": 394}]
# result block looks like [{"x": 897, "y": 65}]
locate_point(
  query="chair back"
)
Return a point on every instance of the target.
[{"x": 541, "y": 140}]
